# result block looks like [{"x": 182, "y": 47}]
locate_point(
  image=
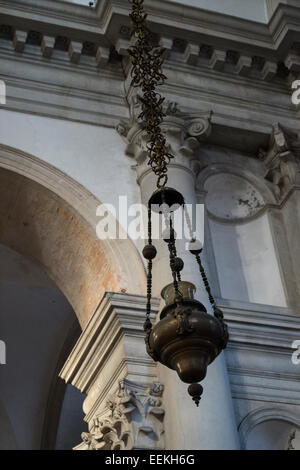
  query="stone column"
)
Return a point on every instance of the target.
[{"x": 213, "y": 425}]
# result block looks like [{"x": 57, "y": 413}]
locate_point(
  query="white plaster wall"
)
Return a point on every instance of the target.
[
  {"x": 246, "y": 262},
  {"x": 252, "y": 10},
  {"x": 92, "y": 155}
]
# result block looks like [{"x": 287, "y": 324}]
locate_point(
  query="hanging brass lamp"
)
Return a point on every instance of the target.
[{"x": 186, "y": 339}]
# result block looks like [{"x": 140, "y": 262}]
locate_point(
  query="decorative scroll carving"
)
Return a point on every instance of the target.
[
  {"x": 281, "y": 160},
  {"x": 184, "y": 133},
  {"x": 133, "y": 419}
]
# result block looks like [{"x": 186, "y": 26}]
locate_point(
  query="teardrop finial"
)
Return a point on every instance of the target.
[{"x": 196, "y": 390}]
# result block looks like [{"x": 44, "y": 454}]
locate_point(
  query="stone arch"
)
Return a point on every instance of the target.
[
  {"x": 50, "y": 218},
  {"x": 261, "y": 415}
]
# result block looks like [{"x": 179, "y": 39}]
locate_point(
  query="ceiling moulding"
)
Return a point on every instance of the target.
[{"x": 103, "y": 22}]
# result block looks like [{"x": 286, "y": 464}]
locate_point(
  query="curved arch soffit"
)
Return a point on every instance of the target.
[
  {"x": 256, "y": 417},
  {"x": 62, "y": 214}
]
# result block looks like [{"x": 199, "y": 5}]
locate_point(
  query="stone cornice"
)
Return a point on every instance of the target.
[
  {"x": 208, "y": 55},
  {"x": 118, "y": 316},
  {"x": 284, "y": 23},
  {"x": 108, "y": 16},
  {"x": 259, "y": 353},
  {"x": 260, "y": 326}
]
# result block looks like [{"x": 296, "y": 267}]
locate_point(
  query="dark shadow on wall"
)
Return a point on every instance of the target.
[
  {"x": 7, "y": 436},
  {"x": 63, "y": 422}
]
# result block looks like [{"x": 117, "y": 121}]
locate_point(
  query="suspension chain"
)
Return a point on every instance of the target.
[{"x": 147, "y": 74}]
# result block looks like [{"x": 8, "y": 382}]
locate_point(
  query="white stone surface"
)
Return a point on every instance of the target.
[
  {"x": 246, "y": 262},
  {"x": 254, "y": 10}
]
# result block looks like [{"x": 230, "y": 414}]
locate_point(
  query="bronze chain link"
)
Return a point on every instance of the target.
[{"x": 147, "y": 74}]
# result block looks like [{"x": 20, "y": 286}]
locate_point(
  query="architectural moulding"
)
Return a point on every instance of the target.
[
  {"x": 261, "y": 415},
  {"x": 132, "y": 419},
  {"x": 75, "y": 45},
  {"x": 259, "y": 354},
  {"x": 109, "y": 15},
  {"x": 206, "y": 39},
  {"x": 111, "y": 349},
  {"x": 102, "y": 52}
]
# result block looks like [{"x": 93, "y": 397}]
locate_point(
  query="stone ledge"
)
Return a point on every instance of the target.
[{"x": 111, "y": 348}]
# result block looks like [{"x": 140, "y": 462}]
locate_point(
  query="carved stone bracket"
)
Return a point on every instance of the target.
[
  {"x": 110, "y": 354},
  {"x": 132, "y": 419},
  {"x": 281, "y": 160},
  {"x": 184, "y": 133}
]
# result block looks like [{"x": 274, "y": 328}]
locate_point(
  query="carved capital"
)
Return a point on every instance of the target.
[
  {"x": 132, "y": 419},
  {"x": 281, "y": 160},
  {"x": 184, "y": 133}
]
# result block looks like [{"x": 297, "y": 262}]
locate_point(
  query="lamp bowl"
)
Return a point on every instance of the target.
[{"x": 187, "y": 339}]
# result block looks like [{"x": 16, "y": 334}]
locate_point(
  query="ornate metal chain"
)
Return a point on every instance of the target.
[
  {"x": 147, "y": 74},
  {"x": 147, "y": 61},
  {"x": 148, "y": 324}
]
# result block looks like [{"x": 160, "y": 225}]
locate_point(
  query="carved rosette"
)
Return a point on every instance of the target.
[
  {"x": 184, "y": 133},
  {"x": 281, "y": 160},
  {"x": 132, "y": 419}
]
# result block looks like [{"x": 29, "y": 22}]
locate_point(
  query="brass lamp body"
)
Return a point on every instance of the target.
[{"x": 186, "y": 339}]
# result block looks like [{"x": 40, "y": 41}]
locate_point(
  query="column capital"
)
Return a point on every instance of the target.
[
  {"x": 132, "y": 419},
  {"x": 184, "y": 133}
]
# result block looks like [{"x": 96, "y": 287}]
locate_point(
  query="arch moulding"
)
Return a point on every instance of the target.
[
  {"x": 50, "y": 218},
  {"x": 261, "y": 415}
]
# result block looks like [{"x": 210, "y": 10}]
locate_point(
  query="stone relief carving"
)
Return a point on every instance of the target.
[
  {"x": 133, "y": 419},
  {"x": 281, "y": 160}
]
